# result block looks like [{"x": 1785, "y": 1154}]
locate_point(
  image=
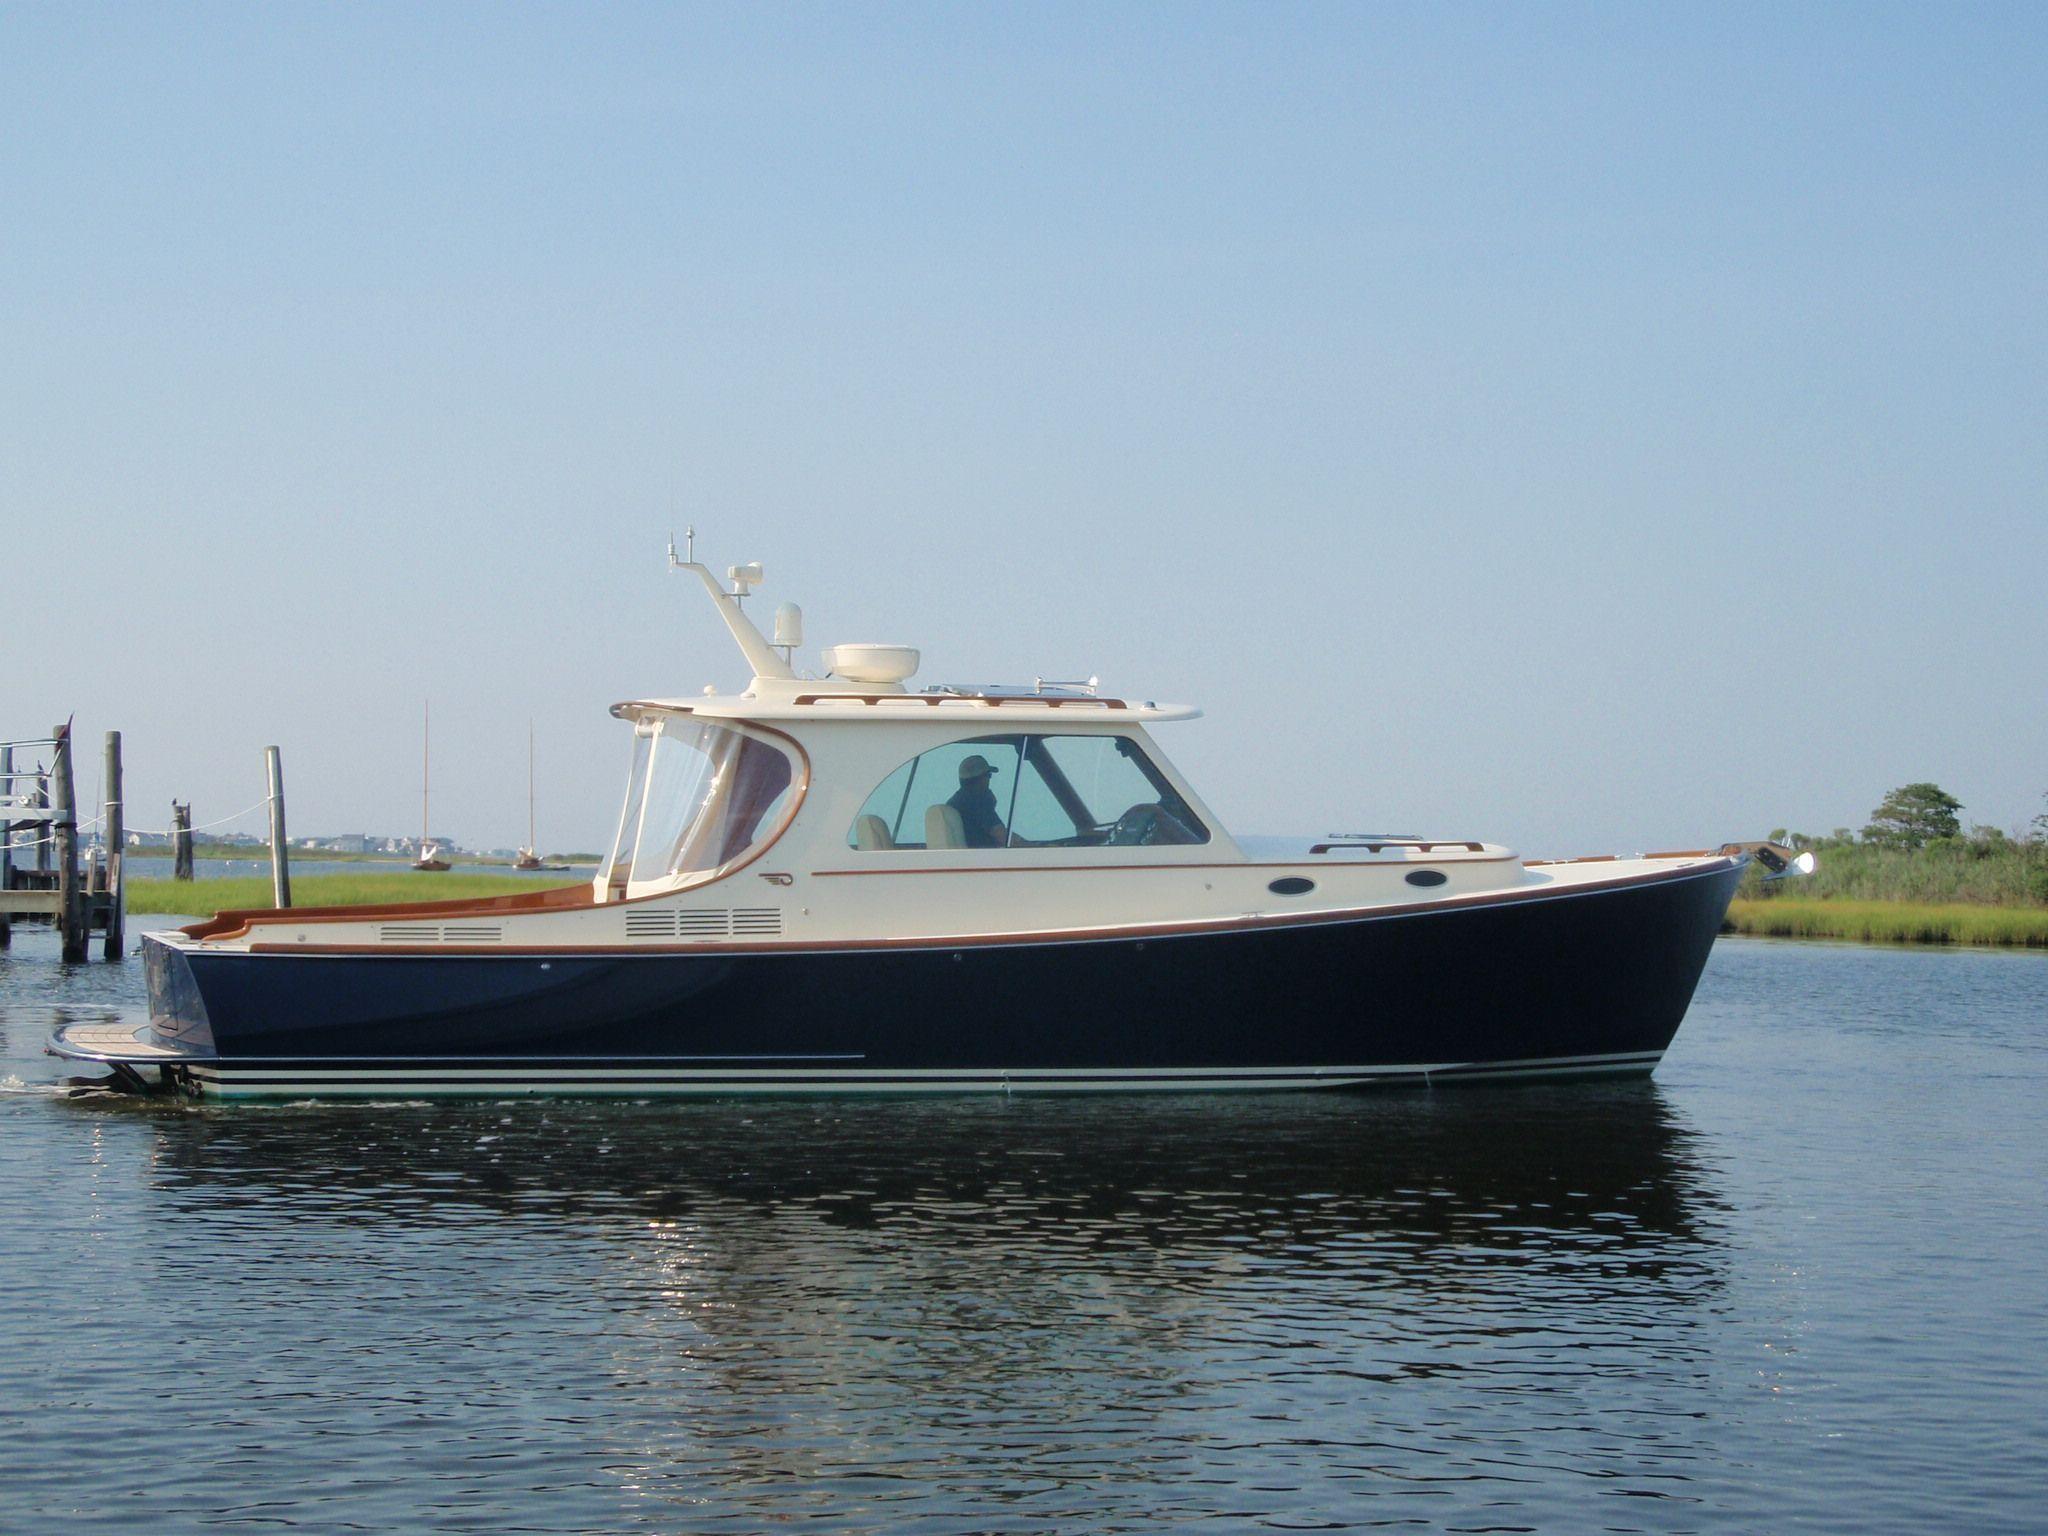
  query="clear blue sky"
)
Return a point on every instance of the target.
[{"x": 1588, "y": 427}]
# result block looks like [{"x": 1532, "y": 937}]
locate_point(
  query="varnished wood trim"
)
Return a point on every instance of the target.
[
  {"x": 935, "y": 699},
  {"x": 1033, "y": 869},
  {"x": 1401, "y": 842},
  {"x": 239, "y": 919},
  {"x": 1607, "y": 858},
  {"x": 1472, "y": 901}
]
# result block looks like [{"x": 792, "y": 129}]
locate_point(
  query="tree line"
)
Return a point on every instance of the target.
[{"x": 1917, "y": 816}]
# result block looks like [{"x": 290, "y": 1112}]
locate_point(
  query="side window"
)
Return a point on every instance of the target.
[
  {"x": 1036, "y": 815},
  {"x": 955, "y": 796},
  {"x": 1115, "y": 791},
  {"x": 1036, "y": 790}
]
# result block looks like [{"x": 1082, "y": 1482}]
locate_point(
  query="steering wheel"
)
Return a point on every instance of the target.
[{"x": 1136, "y": 828}]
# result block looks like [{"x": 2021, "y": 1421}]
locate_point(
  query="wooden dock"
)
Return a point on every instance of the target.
[{"x": 41, "y": 879}]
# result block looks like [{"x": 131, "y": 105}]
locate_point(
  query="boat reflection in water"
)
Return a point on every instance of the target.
[{"x": 743, "y": 1306}]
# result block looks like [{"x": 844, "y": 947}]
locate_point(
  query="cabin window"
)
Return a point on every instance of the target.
[
  {"x": 701, "y": 797},
  {"x": 1026, "y": 791}
]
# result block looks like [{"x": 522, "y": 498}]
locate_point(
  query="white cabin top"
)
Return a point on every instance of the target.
[{"x": 828, "y": 699}]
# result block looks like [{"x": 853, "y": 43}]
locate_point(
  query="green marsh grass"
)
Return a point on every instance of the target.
[
  {"x": 1890, "y": 922},
  {"x": 203, "y": 898},
  {"x": 1950, "y": 871},
  {"x": 259, "y": 853}
]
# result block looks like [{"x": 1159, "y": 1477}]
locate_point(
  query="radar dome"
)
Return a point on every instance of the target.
[{"x": 874, "y": 664}]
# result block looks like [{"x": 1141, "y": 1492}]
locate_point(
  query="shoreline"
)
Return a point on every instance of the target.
[{"x": 1889, "y": 922}]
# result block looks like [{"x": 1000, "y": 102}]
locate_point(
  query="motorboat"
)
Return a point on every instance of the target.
[{"x": 840, "y": 883}]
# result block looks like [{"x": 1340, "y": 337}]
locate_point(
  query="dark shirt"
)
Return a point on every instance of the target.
[{"x": 976, "y": 803}]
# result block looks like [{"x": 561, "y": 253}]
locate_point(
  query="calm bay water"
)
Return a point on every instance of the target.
[{"x": 1798, "y": 1281}]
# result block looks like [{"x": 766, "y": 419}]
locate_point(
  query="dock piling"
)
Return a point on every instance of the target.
[
  {"x": 71, "y": 909},
  {"x": 54, "y": 888},
  {"x": 110, "y": 822},
  {"x": 40, "y": 801},
  {"x": 280, "y": 868},
  {"x": 181, "y": 840}
]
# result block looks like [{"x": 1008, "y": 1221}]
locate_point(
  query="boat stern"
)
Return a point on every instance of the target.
[{"x": 155, "y": 1055}]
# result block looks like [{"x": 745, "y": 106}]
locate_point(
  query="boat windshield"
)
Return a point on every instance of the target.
[{"x": 701, "y": 798}]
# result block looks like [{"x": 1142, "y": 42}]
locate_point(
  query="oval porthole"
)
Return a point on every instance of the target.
[
  {"x": 1291, "y": 885},
  {"x": 1427, "y": 877}
]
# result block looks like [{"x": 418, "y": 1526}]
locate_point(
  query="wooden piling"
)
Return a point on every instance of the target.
[
  {"x": 46, "y": 845},
  {"x": 72, "y": 919},
  {"x": 110, "y": 822},
  {"x": 181, "y": 841},
  {"x": 280, "y": 869}
]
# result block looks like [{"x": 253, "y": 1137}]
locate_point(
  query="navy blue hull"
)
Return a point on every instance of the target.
[{"x": 1601, "y": 978}]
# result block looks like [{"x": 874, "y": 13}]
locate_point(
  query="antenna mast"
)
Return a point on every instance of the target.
[
  {"x": 752, "y": 643},
  {"x": 426, "y": 758}
]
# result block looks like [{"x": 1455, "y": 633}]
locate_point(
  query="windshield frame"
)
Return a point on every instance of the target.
[{"x": 616, "y": 880}]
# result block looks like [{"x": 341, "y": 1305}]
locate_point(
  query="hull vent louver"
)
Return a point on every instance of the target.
[
  {"x": 650, "y": 925},
  {"x": 704, "y": 923},
  {"x": 440, "y": 933}
]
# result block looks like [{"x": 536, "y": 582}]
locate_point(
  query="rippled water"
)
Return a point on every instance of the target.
[{"x": 1795, "y": 1282}]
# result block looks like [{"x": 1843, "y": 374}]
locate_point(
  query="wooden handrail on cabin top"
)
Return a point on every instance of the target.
[
  {"x": 1400, "y": 842},
  {"x": 955, "y": 698}
]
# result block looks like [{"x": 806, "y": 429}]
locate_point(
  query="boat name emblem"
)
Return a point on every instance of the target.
[{"x": 779, "y": 879}]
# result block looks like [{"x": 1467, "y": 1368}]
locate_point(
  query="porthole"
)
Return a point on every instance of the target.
[
  {"x": 1427, "y": 877},
  {"x": 1291, "y": 885}
]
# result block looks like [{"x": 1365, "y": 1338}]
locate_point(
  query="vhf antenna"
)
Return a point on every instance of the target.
[{"x": 689, "y": 548}]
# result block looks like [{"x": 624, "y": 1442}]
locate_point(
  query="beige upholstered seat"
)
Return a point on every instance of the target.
[
  {"x": 872, "y": 832},
  {"x": 943, "y": 828}
]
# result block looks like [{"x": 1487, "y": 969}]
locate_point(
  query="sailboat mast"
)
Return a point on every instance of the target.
[
  {"x": 532, "y": 843},
  {"x": 426, "y": 751}
]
